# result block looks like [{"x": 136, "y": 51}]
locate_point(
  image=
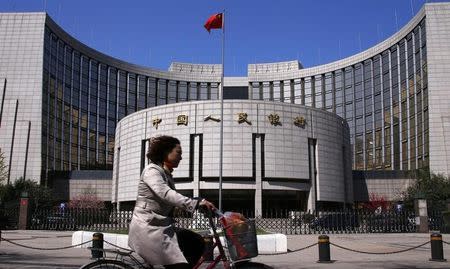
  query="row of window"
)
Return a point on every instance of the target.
[
  {"x": 84, "y": 99},
  {"x": 384, "y": 99}
]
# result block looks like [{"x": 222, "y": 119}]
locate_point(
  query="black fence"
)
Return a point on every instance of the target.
[
  {"x": 286, "y": 222},
  {"x": 80, "y": 219},
  {"x": 9, "y": 215},
  {"x": 342, "y": 222}
]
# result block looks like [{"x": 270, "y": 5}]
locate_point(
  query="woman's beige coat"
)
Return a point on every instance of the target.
[{"x": 152, "y": 234}]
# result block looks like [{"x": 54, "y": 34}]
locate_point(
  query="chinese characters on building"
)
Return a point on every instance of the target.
[
  {"x": 300, "y": 122},
  {"x": 156, "y": 122},
  {"x": 274, "y": 119},
  {"x": 182, "y": 120},
  {"x": 243, "y": 117}
]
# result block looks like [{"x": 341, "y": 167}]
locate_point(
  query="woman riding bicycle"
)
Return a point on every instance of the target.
[{"x": 152, "y": 234}]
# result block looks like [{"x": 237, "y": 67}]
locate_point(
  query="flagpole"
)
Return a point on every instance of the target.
[{"x": 221, "y": 112}]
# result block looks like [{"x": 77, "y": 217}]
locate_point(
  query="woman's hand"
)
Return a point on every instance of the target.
[{"x": 207, "y": 204}]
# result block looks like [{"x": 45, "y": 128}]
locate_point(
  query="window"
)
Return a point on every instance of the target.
[
  {"x": 132, "y": 94},
  {"x": 359, "y": 125},
  {"x": 349, "y": 111},
  {"x": 276, "y": 91},
  {"x": 162, "y": 92},
  {"x": 369, "y": 151},
  {"x": 377, "y": 102},
  {"x": 267, "y": 94},
  {"x": 329, "y": 90},
  {"x": 288, "y": 90},
  {"x": 172, "y": 92},
  {"x": 405, "y": 155},
  {"x": 214, "y": 91},
  {"x": 204, "y": 91},
  {"x": 151, "y": 98},
  {"x": 369, "y": 122},
  {"x": 193, "y": 91},
  {"x": 182, "y": 91},
  {"x": 256, "y": 91},
  {"x": 349, "y": 84},
  {"x": 142, "y": 93},
  {"x": 298, "y": 98},
  {"x": 318, "y": 92},
  {"x": 112, "y": 83},
  {"x": 359, "y": 106},
  {"x": 308, "y": 92},
  {"x": 122, "y": 85}
]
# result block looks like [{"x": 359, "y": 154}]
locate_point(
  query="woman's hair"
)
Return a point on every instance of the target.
[{"x": 160, "y": 147}]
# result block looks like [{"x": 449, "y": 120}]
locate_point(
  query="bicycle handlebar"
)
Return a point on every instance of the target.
[
  {"x": 210, "y": 213},
  {"x": 218, "y": 212}
]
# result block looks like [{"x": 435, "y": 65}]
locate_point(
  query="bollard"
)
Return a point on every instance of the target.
[
  {"x": 437, "y": 253},
  {"x": 97, "y": 246},
  {"x": 324, "y": 249}
]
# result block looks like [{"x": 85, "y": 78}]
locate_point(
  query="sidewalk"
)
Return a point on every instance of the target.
[
  {"x": 418, "y": 258},
  {"x": 12, "y": 256}
]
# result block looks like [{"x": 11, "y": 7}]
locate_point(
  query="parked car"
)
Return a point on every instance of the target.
[
  {"x": 386, "y": 222},
  {"x": 334, "y": 221}
]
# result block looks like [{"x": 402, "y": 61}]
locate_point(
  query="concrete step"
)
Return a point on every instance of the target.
[{"x": 267, "y": 243}]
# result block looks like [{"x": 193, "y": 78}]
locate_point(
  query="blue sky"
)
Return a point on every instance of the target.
[{"x": 155, "y": 33}]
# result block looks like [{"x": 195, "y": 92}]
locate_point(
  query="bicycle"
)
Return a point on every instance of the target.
[{"x": 237, "y": 258}]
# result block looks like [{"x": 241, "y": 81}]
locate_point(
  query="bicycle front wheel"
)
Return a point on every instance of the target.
[
  {"x": 106, "y": 264},
  {"x": 251, "y": 265}
]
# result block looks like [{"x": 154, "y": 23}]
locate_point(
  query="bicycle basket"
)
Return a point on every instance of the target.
[{"x": 241, "y": 240}]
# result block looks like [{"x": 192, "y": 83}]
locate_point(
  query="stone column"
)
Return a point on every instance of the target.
[
  {"x": 312, "y": 197},
  {"x": 312, "y": 166},
  {"x": 420, "y": 208},
  {"x": 196, "y": 167},
  {"x": 23, "y": 212},
  {"x": 258, "y": 176}
]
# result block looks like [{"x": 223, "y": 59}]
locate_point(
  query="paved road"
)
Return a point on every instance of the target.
[{"x": 12, "y": 256}]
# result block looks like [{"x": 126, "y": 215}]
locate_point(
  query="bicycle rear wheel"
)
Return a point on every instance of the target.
[
  {"x": 106, "y": 264},
  {"x": 251, "y": 265}
]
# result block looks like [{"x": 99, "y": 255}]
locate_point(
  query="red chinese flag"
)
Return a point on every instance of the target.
[{"x": 214, "y": 22}]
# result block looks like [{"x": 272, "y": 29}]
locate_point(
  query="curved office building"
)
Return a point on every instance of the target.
[
  {"x": 276, "y": 155},
  {"x": 61, "y": 101}
]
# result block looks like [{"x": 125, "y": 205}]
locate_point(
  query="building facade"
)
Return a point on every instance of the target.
[
  {"x": 61, "y": 101},
  {"x": 276, "y": 155}
]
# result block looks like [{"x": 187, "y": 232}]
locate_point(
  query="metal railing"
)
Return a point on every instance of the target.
[
  {"x": 286, "y": 222},
  {"x": 9, "y": 215},
  {"x": 80, "y": 219}
]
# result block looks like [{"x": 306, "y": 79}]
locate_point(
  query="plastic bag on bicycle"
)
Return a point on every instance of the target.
[{"x": 240, "y": 234}]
